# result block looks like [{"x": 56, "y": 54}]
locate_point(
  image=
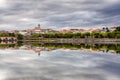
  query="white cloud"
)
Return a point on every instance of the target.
[
  {"x": 3, "y": 74},
  {"x": 24, "y": 19},
  {"x": 3, "y": 3}
]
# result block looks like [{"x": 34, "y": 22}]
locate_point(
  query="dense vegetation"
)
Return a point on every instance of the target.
[
  {"x": 7, "y": 35},
  {"x": 19, "y": 36},
  {"x": 114, "y": 34}
]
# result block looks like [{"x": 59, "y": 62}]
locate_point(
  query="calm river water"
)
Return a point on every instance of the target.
[{"x": 33, "y": 62}]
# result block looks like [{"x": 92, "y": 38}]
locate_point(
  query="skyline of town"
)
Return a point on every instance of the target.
[
  {"x": 41, "y": 30},
  {"x": 65, "y": 28}
]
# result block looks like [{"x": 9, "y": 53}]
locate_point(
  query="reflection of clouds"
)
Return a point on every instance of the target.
[
  {"x": 58, "y": 65},
  {"x": 3, "y": 74}
]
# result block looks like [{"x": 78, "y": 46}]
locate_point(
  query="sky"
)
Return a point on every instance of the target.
[{"x": 58, "y": 14}]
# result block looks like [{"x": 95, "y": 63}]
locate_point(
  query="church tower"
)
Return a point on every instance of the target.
[{"x": 38, "y": 25}]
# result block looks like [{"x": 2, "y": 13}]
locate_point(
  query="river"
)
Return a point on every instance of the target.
[{"x": 59, "y": 62}]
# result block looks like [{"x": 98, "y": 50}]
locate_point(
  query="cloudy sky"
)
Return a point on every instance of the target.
[{"x": 58, "y": 14}]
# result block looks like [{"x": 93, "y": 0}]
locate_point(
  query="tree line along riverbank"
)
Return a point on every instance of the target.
[{"x": 52, "y": 35}]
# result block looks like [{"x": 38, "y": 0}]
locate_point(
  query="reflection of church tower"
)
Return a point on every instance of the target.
[{"x": 39, "y": 53}]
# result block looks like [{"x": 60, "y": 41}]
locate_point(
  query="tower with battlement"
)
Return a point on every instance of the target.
[{"x": 38, "y": 25}]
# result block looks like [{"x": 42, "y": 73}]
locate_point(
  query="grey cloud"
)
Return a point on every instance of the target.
[
  {"x": 60, "y": 13},
  {"x": 112, "y": 10}
]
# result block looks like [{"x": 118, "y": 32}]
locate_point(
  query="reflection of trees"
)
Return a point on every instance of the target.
[
  {"x": 96, "y": 47},
  {"x": 15, "y": 46},
  {"x": 7, "y": 46},
  {"x": 52, "y": 46}
]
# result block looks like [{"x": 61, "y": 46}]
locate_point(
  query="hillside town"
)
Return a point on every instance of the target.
[{"x": 39, "y": 30}]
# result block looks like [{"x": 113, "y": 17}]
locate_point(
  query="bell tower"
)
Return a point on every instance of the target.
[{"x": 38, "y": 25}]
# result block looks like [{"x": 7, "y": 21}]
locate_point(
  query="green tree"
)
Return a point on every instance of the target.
[{"x": 19, "y": 36}]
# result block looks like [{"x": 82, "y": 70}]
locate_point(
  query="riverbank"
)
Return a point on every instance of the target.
[
  {"x": 74, "y": 40},
  {"x": 90, "y": 40}
]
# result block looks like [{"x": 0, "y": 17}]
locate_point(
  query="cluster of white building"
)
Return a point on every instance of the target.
[{"x": 87, "y": 30}]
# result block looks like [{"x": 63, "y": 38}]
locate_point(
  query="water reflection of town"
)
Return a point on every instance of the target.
[{"x": 38, "y": 48}]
